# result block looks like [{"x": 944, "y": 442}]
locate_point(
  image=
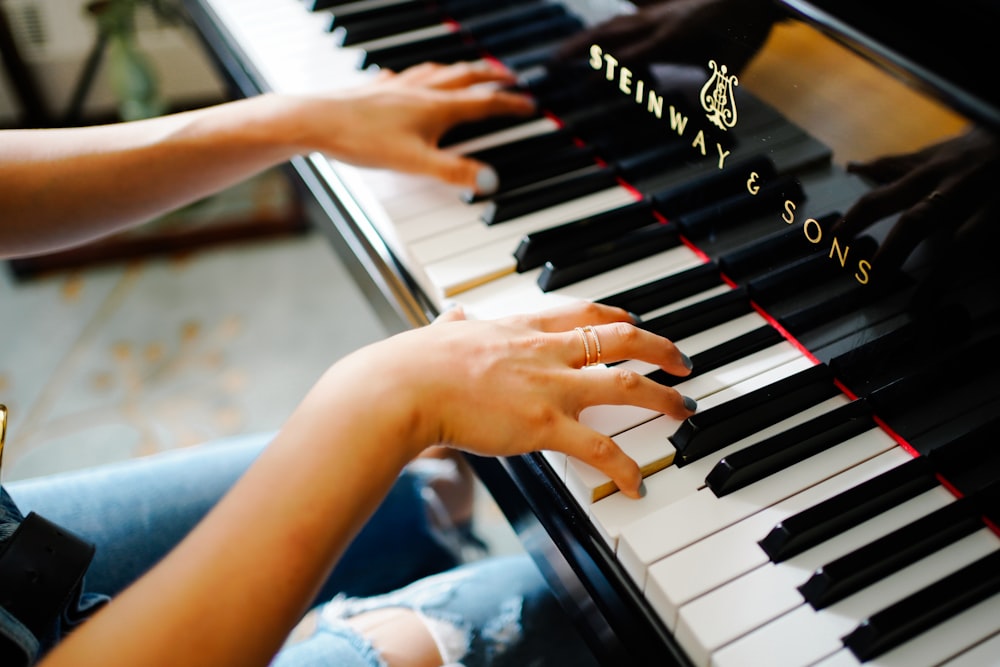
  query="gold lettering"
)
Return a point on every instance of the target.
[
  {"x": 654, "y": 104},
  {"x": 625, "y": 80},
  {"x": 817, "y": 235},
  {"x": 639, "y": 86},
  {"x": 789, "y": 215},
  {"x": 722, "y": 155},
  {"x": 595, "y": 56},
  {"x": 752, "y": 186},
  {"x": 611, "y": 62},
  {"x": 677, "y": 121},
  {"x": 699, "y": 141},
  {"x": 861, "y": 275},
  {"x": 835, "y": 248}
]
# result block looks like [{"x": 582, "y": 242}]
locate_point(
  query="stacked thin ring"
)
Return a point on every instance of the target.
[{"x": 588, "y": 334}]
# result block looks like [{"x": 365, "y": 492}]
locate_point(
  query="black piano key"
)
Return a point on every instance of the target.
[
  {"x": 711, "y": 430},
  {"x": 925, "y": 609},
  {"x": 698, "y": 317},
  {"x": 708, "y": 190},
  {"x": 538, "y": 167},
  {"x": 549, "y": 193},
  {"x": 892, "y": 552},
  {"x": 753, "y": 464},
  {"x": 771, "y": 251},
  {"x": 722, "y": 354},
  {"x": 642, "y": 163},
  {"x": 554, "y": 243},
  {"x": 598, "y": 259},
  {"x": 494, "y": 33},
  {"x": 735, "y": 209},
  {"x": 519, "y": 38},
  {"x": 809, "y": 270},
  {"x": 814, "y": 525},
  {"x": 513, "y": 153},
  {"x": 667, "y": 290},
  {"x": 478, "y": 128},
  {"x": 351, "y": 32},
  {"x": 407, "y": 15},
  {"x": 850, "y": 300}
]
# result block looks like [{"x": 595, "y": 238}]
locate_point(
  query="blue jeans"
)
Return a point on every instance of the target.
[{"x": 136, "y": 511}]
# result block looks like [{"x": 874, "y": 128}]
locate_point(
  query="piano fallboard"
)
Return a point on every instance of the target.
[{"x": 834, "y": 500}]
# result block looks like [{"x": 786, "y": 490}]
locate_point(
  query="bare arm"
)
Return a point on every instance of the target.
[
  {"x": 233, "y": 589},
  {"x": 64, "y": 186}
]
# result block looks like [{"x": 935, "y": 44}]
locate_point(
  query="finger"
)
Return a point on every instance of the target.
[
  {"x": 463, "y": 75},
  {"x": 600, "y": 451},
  {"x": 564, "y": 318},
  {"x": 618, "y": 341},
  {"x": 462, "y": 171},
  {"x": 620, "y": 385},
  {"x": 478, "y": 103}
]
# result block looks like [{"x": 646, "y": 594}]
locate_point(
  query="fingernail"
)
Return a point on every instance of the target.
[
  {"x": 487, "y": 181},
  {"x": 642, "y": 489},
  {"x": 690, "y": 403},
  {"x": 686, "y": 360},
  {"x": 636, "y": 319}
]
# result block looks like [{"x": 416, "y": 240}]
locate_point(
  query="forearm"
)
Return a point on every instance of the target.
[
  {"x": 233, "y": 589},
  {"x": 63, "y": 186}
]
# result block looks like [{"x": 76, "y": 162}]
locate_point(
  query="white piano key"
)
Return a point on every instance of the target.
[
  {"x": 986, "y": 651},
  {"x": 805, "y": 636},
  {"x": 613, "y": 514},
  {"x": 949, "y": 639},
  {"x": 769, "y": 591},
  {"x": 588, "y": 484},
  {"x": 474, "y": 234},
  {"x": 532, "y": 128},
  {"x": 734, "y": 551},
  {"x": 648, "y": 540},
  {"x": 470, "y": 252},
  {"x": 783, "y": 359}
]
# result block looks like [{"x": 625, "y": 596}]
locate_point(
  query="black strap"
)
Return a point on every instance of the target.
[{"x": 41, "y": 567}]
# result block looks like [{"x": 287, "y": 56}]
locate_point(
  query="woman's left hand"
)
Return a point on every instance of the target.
[{"x": 396, "y": 121}]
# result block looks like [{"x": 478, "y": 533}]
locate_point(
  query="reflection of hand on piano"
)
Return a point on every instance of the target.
[
  {"x": 681, "y": 31},
  {"x": 946, "y": 186},
  {"x": 513, "y": 386},
  {"x": 397, "y": 120}
]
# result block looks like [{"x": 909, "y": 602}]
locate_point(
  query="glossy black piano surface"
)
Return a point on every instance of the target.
[{"x": 806, "y": 194}]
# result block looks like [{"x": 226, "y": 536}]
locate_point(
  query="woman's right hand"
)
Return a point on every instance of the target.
[{"x": 516, "y": 385}]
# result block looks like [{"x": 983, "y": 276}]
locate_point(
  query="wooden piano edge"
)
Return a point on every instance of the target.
[{"x": 597, "y": 594}]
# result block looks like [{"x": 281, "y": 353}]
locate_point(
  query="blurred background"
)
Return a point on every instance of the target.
[{"x": 211, "y": 322}]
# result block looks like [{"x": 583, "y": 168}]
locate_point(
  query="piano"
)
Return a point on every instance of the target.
[{"x": 801, "y": 194}]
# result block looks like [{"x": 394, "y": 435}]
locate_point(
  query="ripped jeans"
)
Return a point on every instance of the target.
[
  {"x": 496, "y": 612},
  {"x": 489, "y": 612}
]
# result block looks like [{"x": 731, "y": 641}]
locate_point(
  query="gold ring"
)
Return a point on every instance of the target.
[
  {"x": 597, "y": 342},
  {"x": 586, "y": 344}
]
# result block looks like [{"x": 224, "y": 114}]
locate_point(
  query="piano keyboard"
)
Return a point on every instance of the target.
[{"x": 782, "y": 524}]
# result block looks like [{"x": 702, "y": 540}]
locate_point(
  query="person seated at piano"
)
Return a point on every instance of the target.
[{"x": 212, "y": 555}]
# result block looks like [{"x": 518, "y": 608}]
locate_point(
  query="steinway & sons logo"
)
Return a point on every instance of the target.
[{"x": 719, "y": 103}]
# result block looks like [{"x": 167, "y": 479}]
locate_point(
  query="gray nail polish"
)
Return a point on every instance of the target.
[
  {"x": 487, "y": 181},
  {"x": 690, "y": 403},
  {"x": 686, "y": 360},
  {"x": 636, "y": 319},
  {"x": 642, "y": 489}
]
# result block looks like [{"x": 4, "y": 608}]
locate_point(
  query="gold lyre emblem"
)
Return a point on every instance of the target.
[{"x": 717, "y": 97}]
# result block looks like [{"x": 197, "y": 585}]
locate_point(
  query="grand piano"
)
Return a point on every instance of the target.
[{"x": 804, "y": 196}]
